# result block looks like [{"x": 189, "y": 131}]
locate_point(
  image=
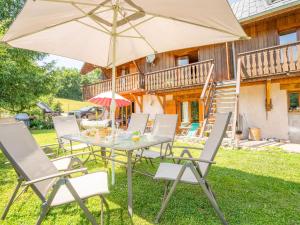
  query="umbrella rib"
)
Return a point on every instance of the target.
[
  {"x": 188, "y": 22},
  {"x": 75, "y": 2},
  {"x": 92, "y": 18},
  {"x": 129, "y": 36},
  {"x": 137, "y": 31},
  {"x": 56, "y": 25},
  {"x": 90, "y": 26},
  {"x": 135, "y": 25}
]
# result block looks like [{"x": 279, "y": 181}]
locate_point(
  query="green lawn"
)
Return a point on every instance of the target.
[
  {"x": 69, "y": 105},
  {"x": 252, "y": 187}
]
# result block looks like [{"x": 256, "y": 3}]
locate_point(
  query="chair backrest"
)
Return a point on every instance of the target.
[
  {"x": 138, "y": 122},
  {"x": 65, "y": 125},
  {"x": 29, "y": 161},
  {"x": 165, "y": 125},
  {"x": 214, "y": 141},
  {"x": 44, "y": 107}
]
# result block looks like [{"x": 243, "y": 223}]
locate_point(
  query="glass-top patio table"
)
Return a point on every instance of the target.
[{"x": 125, "y": 144}]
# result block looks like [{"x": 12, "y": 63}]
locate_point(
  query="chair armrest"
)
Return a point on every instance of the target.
[
  {"x": 192, "y": 159},
  {"x": 188, "y": 147},
  {"x": 60, "y": 174}
]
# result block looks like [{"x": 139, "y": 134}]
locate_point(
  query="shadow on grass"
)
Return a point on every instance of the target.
[{"x": 244, "y": 198}]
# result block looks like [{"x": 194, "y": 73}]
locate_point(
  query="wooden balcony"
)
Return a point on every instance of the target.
[
  {"x": 171, "y": 78},
  {"x": 178, "y": 77},
  {"x": 131, "y": 82},
  {"x": 274, "y": 61}
]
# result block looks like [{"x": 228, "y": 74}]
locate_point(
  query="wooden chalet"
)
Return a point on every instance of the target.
[{"x": 257, "y": 79}]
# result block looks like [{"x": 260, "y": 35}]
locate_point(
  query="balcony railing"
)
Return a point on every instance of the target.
[
  {"x": 272, "y": 61},
  {"x": 124, "y": 83},
  {"x": 181, "y": 76},
  {"x": 176, "y": 77}
]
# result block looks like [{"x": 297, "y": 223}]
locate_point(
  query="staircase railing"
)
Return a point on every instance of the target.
[
  {"x": 237, "y": 94},
  {"x": 206, "y": 97}
]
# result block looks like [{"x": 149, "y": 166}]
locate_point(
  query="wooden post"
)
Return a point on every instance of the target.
[
  {"x": 142, "y": 104},
  {"x": 178, "y": 109},
  {"x": 190, "y": 111},
  {"x": 138, "y": 101},
  {"x": 201, "y": 110},
  {"x": 227, "y": 61},
  {"x": 268, "y": 95}
]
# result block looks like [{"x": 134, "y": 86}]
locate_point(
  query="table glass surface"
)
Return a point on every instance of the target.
[{"x": 121, "y": 142}]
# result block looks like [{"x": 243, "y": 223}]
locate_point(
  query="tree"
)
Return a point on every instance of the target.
[
  {"x": 92, "y": 77},
  {"x": 68, "y": 82},
  {"x": 22, "y": 80}
]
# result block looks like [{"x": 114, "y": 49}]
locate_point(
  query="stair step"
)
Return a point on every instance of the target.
[
  {"x": 220, "y": 85},
  {"x": 224, "y": 97},
  {"x": 225, "y": 93},
  {"x": 216, "y": 103},
  {"x": 221, "y": 90}
]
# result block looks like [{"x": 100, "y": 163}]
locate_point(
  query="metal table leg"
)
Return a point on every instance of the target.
[
  {"x": 103, "y": 155},
  {"x": 129, "y": 182}
]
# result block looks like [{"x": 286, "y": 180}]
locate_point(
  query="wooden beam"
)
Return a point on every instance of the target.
[
  {"x": 227, "y": 62},
  {"x": 140, "y": 103},
  {"x": 268, "y": 95},
  {"x": 290, "y": 87},
  {"x": 201, "y": 110},
  {"x": 161, "y": 102}
]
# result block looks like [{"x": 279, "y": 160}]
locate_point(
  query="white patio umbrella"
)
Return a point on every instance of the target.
[{"x": 111, "y": 32}]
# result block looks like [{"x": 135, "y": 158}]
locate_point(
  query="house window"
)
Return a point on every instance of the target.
[
  {"x": 183, "y": 60},
  {"x": 294, "y": 101},
  {"x": 286, "y": 38},
  {"x": 185, "y": 112},
  {"x": 124, "y": 71},
  {"x": 195, "y": 111}
]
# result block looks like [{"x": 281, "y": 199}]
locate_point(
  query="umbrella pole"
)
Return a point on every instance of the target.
[{"x": 113, "y": 102}]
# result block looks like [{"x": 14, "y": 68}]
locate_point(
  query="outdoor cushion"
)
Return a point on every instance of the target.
[
  {"x": 86, "y": 186},
  {"x": 170, "y": 171}
]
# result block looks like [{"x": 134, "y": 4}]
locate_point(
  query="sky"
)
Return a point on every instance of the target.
[
  {"x": 71, "y": 63},
  {"x": 63, "y": 62}
]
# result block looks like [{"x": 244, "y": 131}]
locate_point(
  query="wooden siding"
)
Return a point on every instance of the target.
[{"x": 264, "y": 35}]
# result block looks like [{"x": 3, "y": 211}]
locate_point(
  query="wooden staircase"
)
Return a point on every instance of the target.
[{"x": 220, "y": 97}]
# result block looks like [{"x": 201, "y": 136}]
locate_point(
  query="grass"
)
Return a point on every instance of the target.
[
  {"x": 69, "y": 105},
  {"x": 252, "y": 188}
]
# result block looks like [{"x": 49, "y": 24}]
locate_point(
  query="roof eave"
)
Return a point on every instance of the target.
[{"x": 269, "y": 13}]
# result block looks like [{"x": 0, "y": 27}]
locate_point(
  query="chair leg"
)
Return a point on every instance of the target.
[
  {"x": 151, "y": 162},
  {"x": 167, "y": 185},
  {"x": 88, "y": 214},
  {"x": 166, "y": 201},
  {"x": 11, "y": 200},
  {"x": 45, "y": 210},
  {"x": 102, "y": 212},
  {"x": 92, "y": 150},
  {"x": 208, "y": 192}
]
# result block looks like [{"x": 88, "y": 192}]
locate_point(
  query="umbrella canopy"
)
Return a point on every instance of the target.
[
  {"x": 82, "y": 29},
  {"x": 104, "y": 99}
]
